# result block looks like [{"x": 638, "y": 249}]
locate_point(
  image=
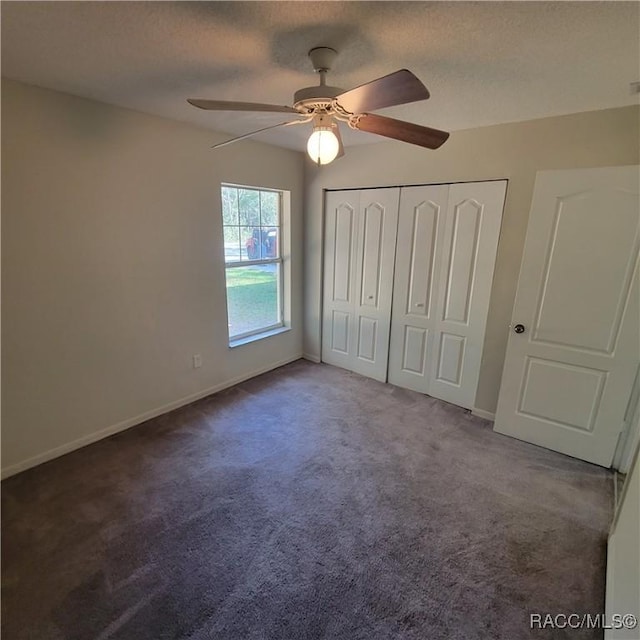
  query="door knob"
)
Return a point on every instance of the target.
[{"x": 519, "y": 328}]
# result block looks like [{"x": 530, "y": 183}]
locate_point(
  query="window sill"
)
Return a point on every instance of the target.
[{"x": 257, "y": 336}]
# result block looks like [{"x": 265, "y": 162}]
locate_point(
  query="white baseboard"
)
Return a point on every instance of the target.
[
  {"x": 311, "y": 358},
  {"x": 132, "y": 422},
  {"x": 481, "y": 413}
]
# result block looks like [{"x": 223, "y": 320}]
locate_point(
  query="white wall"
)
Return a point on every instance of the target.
[
  {"x": 514, "y": 151},
  {"x": 623, "y": 559},
  {"x": 112, "y": 268}
]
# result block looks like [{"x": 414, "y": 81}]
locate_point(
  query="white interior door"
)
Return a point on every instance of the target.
[
  {"x": 569, "y": 373},
  {"x": 360, "y": 243},
  {"x": 421, "y": 225},
  {"x": 447, "y": 243}
]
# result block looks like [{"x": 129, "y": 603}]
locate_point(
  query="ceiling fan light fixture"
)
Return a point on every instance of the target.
[{"x": 323, "y": 145}]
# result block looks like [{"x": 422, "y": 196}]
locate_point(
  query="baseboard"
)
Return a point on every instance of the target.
[
  {"x": 132, "y": 422},
  {"x": 311, "y": 358},
  {"x": 481, "y": 413}
]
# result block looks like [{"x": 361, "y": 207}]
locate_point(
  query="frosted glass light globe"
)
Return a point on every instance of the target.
[{"x": 323, "y": 146}]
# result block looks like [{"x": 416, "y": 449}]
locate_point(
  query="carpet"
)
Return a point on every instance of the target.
[{"x": 307, "y": 503}]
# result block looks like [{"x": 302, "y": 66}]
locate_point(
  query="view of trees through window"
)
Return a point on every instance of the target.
[{"x": 252, "y": 224}]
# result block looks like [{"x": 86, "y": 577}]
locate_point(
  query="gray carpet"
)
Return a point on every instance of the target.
[{"x": 308, "y": 503}]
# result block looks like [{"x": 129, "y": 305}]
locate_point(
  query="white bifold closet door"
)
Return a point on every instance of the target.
[
  {"x": 412, "y": 311},
  {"x": 447, "y": 243},
  {"x": 360, "y": 244}
]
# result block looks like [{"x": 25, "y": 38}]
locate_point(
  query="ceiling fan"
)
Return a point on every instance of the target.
[{"x": 325, "y": 106}]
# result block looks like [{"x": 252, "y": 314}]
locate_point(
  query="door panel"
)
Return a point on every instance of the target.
[
  {"x": 450, "y": 358},
  {"x": 375, "y": 258},
  {"x": 568, "y": 377},
  {"x": 566, "y": 312},
  {"x": 414, "y": 350},
  {"x": 579, "y": 401},
  {"x": 344, "y": 223},
  {"x": 340, "y": 332},
  {"x": 420, "y": 234},
  {"x": 470, "y": 242},
  {"x": 367, "y": 339},
  {"x": 424, "y": 229},
  {"x": 340, "y": 247},
  {"x": 373, "y": 219},
  {"x": 463, "y": 240}
]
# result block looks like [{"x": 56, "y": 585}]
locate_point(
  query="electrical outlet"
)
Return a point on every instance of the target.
[{"x": 197, "y": 361}]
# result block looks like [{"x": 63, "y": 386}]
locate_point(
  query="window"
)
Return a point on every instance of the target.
[{"x": 252, "y": 223}]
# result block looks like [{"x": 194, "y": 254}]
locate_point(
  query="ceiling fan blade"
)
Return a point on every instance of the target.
[
  {"x": 224, "y": 105},
  {"x": 253, "y": 133},
  {"x": 397, "y": 88},
  {"x": 401, "y": 130}
]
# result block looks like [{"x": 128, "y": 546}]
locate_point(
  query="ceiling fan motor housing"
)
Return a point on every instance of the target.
[{"x": 319, "y": 96}]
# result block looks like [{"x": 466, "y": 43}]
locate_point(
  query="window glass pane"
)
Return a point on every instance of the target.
[
  {"x": 259, "y": 243},
  {"x": 269, "y": 205},
  {"x": 229, "y": 205},
  {"x": 231, "y": 244},
  {"x": 270, "y": 245},
  {"x": 250, "y": 243},
  {"x": 249, "y": 206},
  {"x": 253, "y": 298}
]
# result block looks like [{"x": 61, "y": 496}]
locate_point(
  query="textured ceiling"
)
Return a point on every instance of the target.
[{"x": 483, "y": 62}]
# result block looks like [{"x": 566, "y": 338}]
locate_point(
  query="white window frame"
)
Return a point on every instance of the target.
[{"x": 262, "y": 332}]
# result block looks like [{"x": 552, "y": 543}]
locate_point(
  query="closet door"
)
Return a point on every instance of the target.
[
  {"x": 341, "y": 225},
  {"x": 447, "y": 241},
  {"x": 360, "y": 241},
  {"x": 421, "y": 227},
  {"x": 471, "y": 232}
]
